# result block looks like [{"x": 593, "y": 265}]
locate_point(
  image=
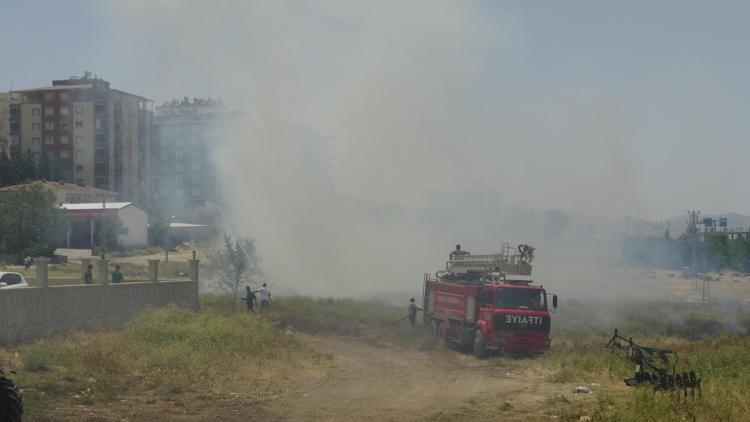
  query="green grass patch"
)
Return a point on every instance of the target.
[{"x": 169, "y": 350}]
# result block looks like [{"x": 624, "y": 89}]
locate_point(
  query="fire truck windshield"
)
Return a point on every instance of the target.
[{"x": 511, "y": 298}]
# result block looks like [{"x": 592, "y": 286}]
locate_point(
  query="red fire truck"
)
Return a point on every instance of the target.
[{"x": 489, "y": 302}]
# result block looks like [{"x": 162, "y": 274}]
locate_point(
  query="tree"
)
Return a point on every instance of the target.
[
  {"x": 236, "y": 264},
  {"x": 7, "y": 170},
  {"x": 32, "y": 224},
  {"x": 111, "y": 230},
  {"x": 26, "y": 169}
]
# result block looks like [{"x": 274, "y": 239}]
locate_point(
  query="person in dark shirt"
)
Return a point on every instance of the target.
[
  {"x": 88, "y": 276},
  {"x": 413, "y": 309},
  {"x": 250, "y": 299}
]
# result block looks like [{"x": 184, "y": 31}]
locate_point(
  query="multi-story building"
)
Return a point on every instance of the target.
[
  {"x": 186, "y": 133},
  {"x": 82, "y": 131}
]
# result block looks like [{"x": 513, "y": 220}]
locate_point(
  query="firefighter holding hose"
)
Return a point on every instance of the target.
[{"x": 413, "y": 309}]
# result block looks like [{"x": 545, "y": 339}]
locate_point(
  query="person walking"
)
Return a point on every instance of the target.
[
  {"x": 413, "y": 309},
  {"x": 88, "y": 276},
  {"x": 117, "y": 276},
  {"x": 265, "y": 297},
  {"x": 250, "y": 299},
  {"x": 27, "y": 262}
]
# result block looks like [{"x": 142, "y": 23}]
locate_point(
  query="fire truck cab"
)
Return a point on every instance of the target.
[{"x": 474, "y": 304}]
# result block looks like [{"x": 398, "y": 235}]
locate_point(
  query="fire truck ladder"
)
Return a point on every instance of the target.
[{"x": 505, "y": 262}]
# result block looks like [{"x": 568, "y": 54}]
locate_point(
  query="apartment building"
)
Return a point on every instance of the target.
[
  {"x": 82, "y": 131},
  {"x": 186, "y": 133}
]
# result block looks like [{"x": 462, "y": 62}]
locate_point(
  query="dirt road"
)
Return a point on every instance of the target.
[
  {"x": 385, "y": 383},
  {"x": 364, "y": 383}
]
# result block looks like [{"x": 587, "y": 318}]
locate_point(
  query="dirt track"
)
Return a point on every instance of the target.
[
  {"x": 366, "y": 383},
  {"x": 377, "y": 383}
]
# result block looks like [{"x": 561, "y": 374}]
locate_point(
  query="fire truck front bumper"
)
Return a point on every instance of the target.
[{"x": 523, "y": 342}]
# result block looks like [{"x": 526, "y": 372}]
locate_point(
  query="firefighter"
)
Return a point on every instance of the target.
[
  {"x": 265, "y": 297},
  {"x": 413, "y": 309},
  {"x": 250, "y": 299},
  {"x": 458, "y": 252}
]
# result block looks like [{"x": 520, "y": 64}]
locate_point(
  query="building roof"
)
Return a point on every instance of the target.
[
  {"x": 55, "y": 88},
  {"x": 72, "y": 87},
  {"x": 93, "y": 206},
  {"x": 186, "y": 225},
  {"x": 68, "y": 187}
]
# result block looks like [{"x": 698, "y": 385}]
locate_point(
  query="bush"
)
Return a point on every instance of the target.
[{"x": 169, "y": 348}]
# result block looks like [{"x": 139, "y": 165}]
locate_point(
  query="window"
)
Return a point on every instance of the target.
[
  {"x": 101, "y": 154},
  {"x": 79, "y": 155},
  {"x": 196, "y": 180},
  {"x": 79, "y": 109},
  {"x": 178, "y": 168},
  {"x": 11, "y": 279},
  {"x": 35, "y": 111},
  {"x": 64, "y": 140},
  {"x": 79, "y": 124},
  {"x": 79, "y": 167},
  {"x": 195, "y": 166},
  {"x": 14, "y": 140},
  {"x": 15, "y": 126},
  {"x": 48, "y": 125},
  {"x": 64, "y": 125},
  {"x": 35, "y": 126},
  {"x": 49, "y": 140},
  {"x": 49, "y": 96},
  {"x": 64, "y": 155},
  {"x": 100, "y": 168},
  {"x": 64, "y": 96},
  {"x": 79, "y": 140},
  {"x": 64, "y": 111},
  {"x": 179, "y": 155},
  {"x": 36, "y": 141},
  {"x": 49, "y": 111},
  {"x": 165, "y": 168},
  {"x": 101, "y": 140},
  {"x": 98, "y": 124},
  {"x": 196, "y": 193},
  {"x": 521, "y": 299}
]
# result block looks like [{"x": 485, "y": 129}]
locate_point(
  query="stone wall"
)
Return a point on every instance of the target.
[{"x": 35, "y": 312}]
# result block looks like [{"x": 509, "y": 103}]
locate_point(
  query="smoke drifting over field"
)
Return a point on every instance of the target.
[{"x": 379, "y": 134}]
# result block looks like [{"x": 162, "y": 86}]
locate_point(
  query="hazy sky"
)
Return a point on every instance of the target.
[{"x": 635, "y": 107}]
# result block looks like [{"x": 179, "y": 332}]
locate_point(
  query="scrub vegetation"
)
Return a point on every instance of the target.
[
  {"x": 189, "y": 358},
  {"x": 712, "y": 340},
  {"x": 170, "y": 354}
]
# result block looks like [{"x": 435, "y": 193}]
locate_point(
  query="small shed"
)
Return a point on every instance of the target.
[{"x": 87, "y": 218}]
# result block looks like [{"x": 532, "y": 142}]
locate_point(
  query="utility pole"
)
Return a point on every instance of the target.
[{"x": 692, "y": 231}]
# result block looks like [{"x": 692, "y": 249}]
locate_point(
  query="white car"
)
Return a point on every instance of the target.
[{"x": 12, "y": 281}]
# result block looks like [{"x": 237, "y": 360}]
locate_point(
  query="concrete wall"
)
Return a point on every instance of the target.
[{"x": 35, "y": 312}]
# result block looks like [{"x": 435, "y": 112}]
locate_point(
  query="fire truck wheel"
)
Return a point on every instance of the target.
[
  {"x": 11, "y": 406},
  {"x": 440, "y": 331},
  {"x": 480, "y": 350},
  {"x": 433, "y": 329}
]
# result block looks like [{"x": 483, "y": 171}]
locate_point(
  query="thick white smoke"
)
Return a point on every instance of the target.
[{"x": 361, "y": 119}]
